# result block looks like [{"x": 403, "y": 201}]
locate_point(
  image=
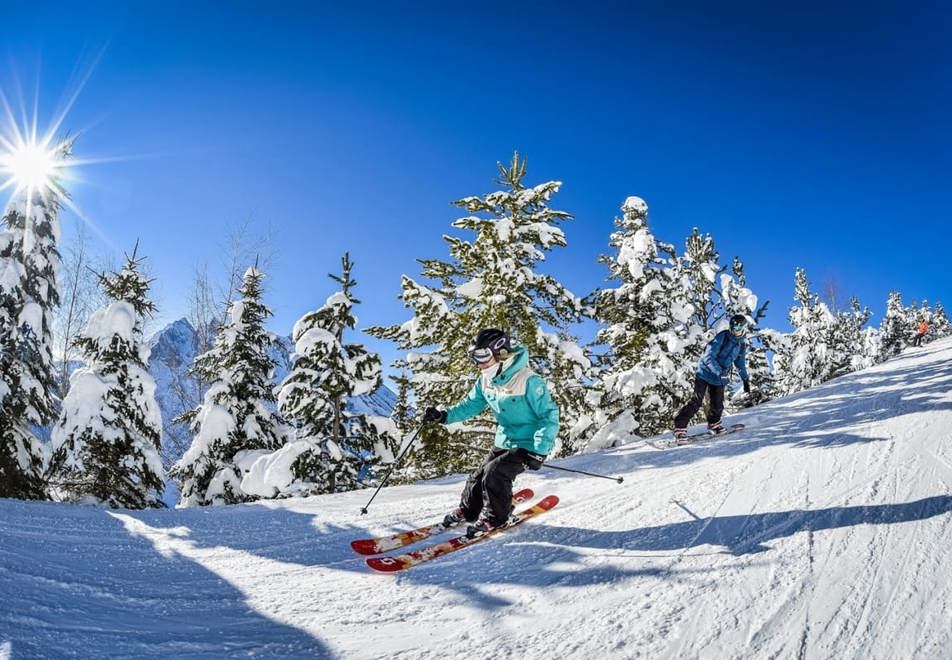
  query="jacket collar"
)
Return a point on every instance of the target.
[{"x": 515, "y": 363}]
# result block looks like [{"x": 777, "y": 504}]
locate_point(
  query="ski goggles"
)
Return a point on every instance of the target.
[
  {"x": 481, "y": 355},
  {"x": 738, "y": 327}
]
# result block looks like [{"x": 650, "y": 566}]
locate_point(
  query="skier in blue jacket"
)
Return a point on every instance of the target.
[
  {"x": 528, "y": 422},
  {"x": 728, "y": 348}
]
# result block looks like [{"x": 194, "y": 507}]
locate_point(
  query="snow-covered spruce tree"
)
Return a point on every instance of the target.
[
  {"x": 402, "y": 412},
  {"x": 851, "y": 343},
  {"x": 714, "y": 295},
  {"x": 640, "y": 375},
  {"x": 658, "y": 321},
  {"x": 895, "y": 328},
  {"x": 805, "y": 359},
  {"x": 698, "y": 271},
  {"x": 29, "y": 264},
  {"x": 235, "y": 423},
  {"x": 695, "y": 282},
  {"x": 105, "y": 447},
  {"x": 331, "y": 445},
  {"x": 940, "y": 322},
  {"x": 490, "y": 281}
]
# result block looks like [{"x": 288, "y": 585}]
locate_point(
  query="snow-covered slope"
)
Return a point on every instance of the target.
[{"x": 822, "y": 531}]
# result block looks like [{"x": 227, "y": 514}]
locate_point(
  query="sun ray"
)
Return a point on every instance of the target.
[{"x": 84, "y": 79}]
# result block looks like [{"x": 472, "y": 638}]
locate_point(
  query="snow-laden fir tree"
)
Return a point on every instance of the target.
[
  {"x": 806, "y": 358},
  {"x": 29, "y": 294},
  {"x": 657, "y": 323},
  {"x": 895, "y": 328},
  {"x": 846, "y": 341},
  {"x": 940, "y": 326},
  {"x": 698, "y": 272},
  {"x": 105, "y": 446},
  {"x": 402, "y": 414},
  {"x": 236, "y": 422},
  {"x": 714, "y": 295},
  {"x": 331, "y": 446},
  {"x": 850, "y": 343},
  {"x": 640, "y": 377},
  {"x": 490, "y": 281}
]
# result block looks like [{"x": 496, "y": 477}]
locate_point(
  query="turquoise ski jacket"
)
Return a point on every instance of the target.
[{"x": 524, "y": 409}]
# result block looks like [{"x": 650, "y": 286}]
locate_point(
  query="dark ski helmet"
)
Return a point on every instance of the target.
[
  {"x": 738, "y": 324},
  {"x": 489, "y": 343}
]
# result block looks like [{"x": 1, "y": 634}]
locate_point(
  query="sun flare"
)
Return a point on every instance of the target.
[{"x": 32, "y": 167}]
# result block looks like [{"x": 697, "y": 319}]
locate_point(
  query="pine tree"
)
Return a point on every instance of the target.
[
  {"x": 489, "y": 282},
  {"x": 715, "y": 296},
  {"x": 698, "y": 272},
  {"x": 895, "y": 327},
  {"x": 402, "y": 413},
  {"x": 805, "y": 359},
  {"x": 332, "y": 446},
  {"x": 940, "y": 325},
  {"x": 106, "y": 443},
  {"x": 657, "y": 322},
  {"x": 848, "y": 341},
  {"x": 236, "y": 422},
  {"x": 638, "y": 389},
  {"x": 29, "y": 294}
]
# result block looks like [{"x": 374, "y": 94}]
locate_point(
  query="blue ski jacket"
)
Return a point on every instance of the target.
[
  {"x": 722, "y": 352},
  {"x": 524, "y": 409}
]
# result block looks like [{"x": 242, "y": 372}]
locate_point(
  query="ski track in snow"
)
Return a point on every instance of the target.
[{"x": 820, "y": 531}]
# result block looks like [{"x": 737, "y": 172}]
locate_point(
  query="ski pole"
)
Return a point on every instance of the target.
[
  {"x": 588, "y": 474},
  {"x": 396, "y": 462}
]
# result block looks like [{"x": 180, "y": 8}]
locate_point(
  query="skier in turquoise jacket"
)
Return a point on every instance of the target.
[{"x": 528, "y": 422}]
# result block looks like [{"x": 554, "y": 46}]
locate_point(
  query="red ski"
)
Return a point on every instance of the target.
[
  {"x": 387, "y": 543},
  {"x": 409, "y": 559}
]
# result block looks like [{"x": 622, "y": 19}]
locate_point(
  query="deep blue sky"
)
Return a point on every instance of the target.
[{"x": 804, "y": 135}]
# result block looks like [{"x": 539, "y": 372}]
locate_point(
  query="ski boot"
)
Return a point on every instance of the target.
[
  {"x": 454, "y": 517},
  {"x": 485, "y": 525},
  {"x": 715, "y": 429},
  {"x": 680, "y": 435}
]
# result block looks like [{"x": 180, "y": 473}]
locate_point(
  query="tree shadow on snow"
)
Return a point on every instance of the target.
[
  {"x": 746, "y": 534},
  {"x": 79, "y": 584},
  {"x": 543, "y": 556},
  {"x": 274, "y": 533}
]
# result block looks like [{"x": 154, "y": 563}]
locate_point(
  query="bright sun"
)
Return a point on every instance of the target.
[{"x": 31, "y": 167}]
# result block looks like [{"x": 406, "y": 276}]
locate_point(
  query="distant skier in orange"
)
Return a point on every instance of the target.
[{"x": 921, "y": 331}]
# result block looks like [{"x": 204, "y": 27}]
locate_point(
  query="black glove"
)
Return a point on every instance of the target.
[
  {"x": 746, "y": 387},
  {"x": 530, "y": 460},
  {"x": 431, "y": 414}
]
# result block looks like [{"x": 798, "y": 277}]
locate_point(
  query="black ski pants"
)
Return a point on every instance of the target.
[
  {"x": 489, "y": 489},
  {"x": 697, "y": 399}
]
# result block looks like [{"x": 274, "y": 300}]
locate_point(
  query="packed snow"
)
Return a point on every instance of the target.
[{"x": 822, "y": 530}]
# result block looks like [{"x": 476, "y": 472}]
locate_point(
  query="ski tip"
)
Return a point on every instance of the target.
[
  {"x": 523, "y": 495},
  {"x": 365, "y": 546},
  {"x": 385, "y": 564}
]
